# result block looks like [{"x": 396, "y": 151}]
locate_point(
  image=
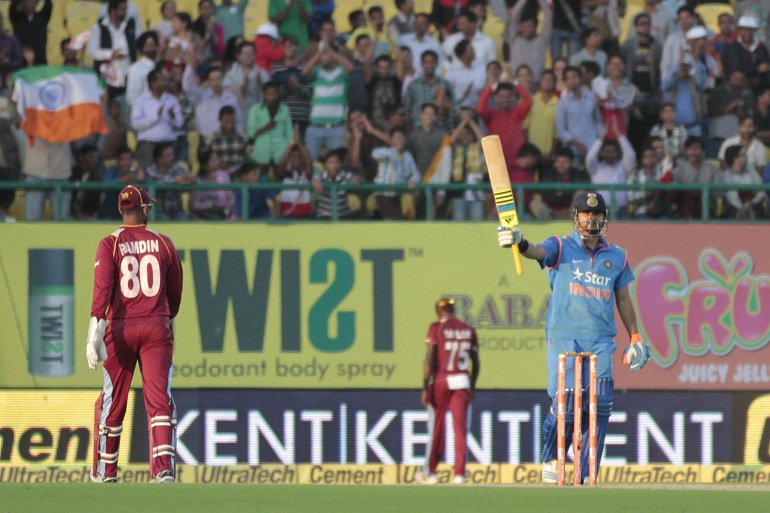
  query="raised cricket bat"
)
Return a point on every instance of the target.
[{"x": 501, "y": 189}]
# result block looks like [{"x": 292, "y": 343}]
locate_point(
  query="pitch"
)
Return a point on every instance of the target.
[{"x": 189, "y": 498}]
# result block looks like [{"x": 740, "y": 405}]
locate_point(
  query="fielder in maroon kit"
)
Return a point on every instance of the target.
[
  {"x": 138, "y": 288},
  {"x": 448, "y": 385}
]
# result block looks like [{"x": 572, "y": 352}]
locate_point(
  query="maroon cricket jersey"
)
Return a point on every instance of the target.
[
  {"x": 137, "y": 274},
  {"x": 454, "y": 342}
]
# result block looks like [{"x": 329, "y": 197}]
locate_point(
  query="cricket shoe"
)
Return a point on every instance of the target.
[
  {"x": 427, "y": 479},
  {"x": 550, "y": 474},
  {"x": 458, "y": 480},
  {"x": 102, "y": 479},
  {"x": 164, "y": 476}
]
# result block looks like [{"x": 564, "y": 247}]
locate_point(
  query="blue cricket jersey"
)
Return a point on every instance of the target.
[{"x": 583, "y": 285}]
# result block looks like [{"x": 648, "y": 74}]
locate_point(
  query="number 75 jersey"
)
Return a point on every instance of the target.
[
  {"x": 454, "y": 342},
  {"x": 137, "y": 274}
]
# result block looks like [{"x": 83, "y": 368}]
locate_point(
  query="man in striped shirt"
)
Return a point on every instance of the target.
[{"x": 329, "y": 72}]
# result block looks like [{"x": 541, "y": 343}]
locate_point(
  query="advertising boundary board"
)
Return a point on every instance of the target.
[
  {"x": 375, "y": 474},
  {"x": 346, "y": 306}
]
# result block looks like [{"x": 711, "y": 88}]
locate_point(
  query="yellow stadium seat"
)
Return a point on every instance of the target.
[
  {"x": 191, "y": 6},
  {"x": 254, "y": 16},
  {"x": 80, "y": 16},
  {"x": 494, "y": 27},
  {"x": 341, "y": 11},
  {"x": 631, "y": 11},
  {"x": 710, "y": 14}
]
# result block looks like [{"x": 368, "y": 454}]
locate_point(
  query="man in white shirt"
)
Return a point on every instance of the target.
[
  {"x": 467, "y": 75},
  {"x": 245, "y": 79},
  {"x": 483, "y": 45},
  {"x": 155, "y": 116},
  {"x": 209, "y": 99},
  {"x": 420, "y": 42},
  {"x": 136, "y": 84},
  {"x": 113, "y": 46},
  {"x": 676, "y": 43}
]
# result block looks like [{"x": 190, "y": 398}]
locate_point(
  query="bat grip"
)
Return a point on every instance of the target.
[{"x": 517, "y": 259}]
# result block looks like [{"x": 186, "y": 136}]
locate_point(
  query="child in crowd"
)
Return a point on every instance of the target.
[
  {"x": 333, "y": 173},
  {"x": 609, "y": 161},
  {"x": 212, "y": 204},
  {"x": 467, "y": 167},
  {"x": 260, "y": 200},
  {"x": 395, "y": 165},
  {"x": 742, "y": 204},
  {"x": 645, "y": 203},
  {"x": 672, "y": 134}
]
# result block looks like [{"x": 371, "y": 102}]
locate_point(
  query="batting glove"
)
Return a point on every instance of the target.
[
  {"x": 507, "y": 237},
  {"x": 637, "y": 353},
  {"x": 96, "y": 351}
]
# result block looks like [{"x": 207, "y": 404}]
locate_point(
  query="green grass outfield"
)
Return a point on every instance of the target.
[{"x": 211, "y": 498}]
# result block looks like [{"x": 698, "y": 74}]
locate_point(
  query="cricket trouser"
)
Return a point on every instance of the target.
[
  {"x": 457, "y": 402},
  {"x": 150, "y": 345}
]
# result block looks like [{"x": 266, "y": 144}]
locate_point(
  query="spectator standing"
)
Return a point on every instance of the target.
[
  {"x": 647, "y": 204},
  {"x": 445, "y": 13},
  {"x": 328, "y": 71},
  {"x": 227, "y": 143},
  {"x": 541, "y": 120},
  {"x": 375, "y": 30},
  {"x": 322, "y": 9},
  {"x": 11, "y": 57},
  {"x": 384, "y": 89},
  {"x": 403, "y": 21},
  {"x": 164, "y": 28},
  {"x": 88, "y": 168},
  {"x": 361, "y": 74},
  {"x": 295, "y": 168},
  {"x": 676, "y": 45},
  {"x": 662, "y": 22},
  {"x": 467, "y": 75},
  {"x": 617, "y": 96},
  {"x": 578, "y": 120},
  {"x": 292, "y": 17},
  {"x": 672, "y": 134},
  {"x": 181, "y": 143},
  {"x": 683, "y": 85},
  {"x": 210, "y": 33},
  {"x": 467, "y": 167},
  {"x": 165, "y": 169},
  {"x": 182, "y": 40},
  {"x": 230, "y": 15},
  {"x": 136, "y": 82},
  {"x": 591, "y": 51},
  {"x": 695, "y": 170},
  {"x": 270, "y": 126},
  {"x": 112, "y": 46},
  {"x": 483, "y": 46},
  {"x": 333, "y": 174},
  {"x": 209, "y": 99},
  {"x": 155, "y": 116},
  {"x": 49, "y": 163},
  {"x": 507, "y": 118},
  {"x": 718, "y": 43},
  {"x": 395, "y": 167},
  {"x": 31, "y": 26},
  {"x": 610, "y": 161},
  {"x": 757, "y": 9},
  {"x": 245, "y": 80},
  {"x": 762, "y": 114},
  {"x": 294, "y": 87},
  {"x": 125, "y": 171},
  {"x": 747, "y": 54},
  {"x": 267, "y": 47},
  {"x": 139, "y": 294},
  {"x": 567, "y": 26},
  {"x": 525, "y": 169},
  {"x": 420, "y": 42},
  {"x": 423, "y": 89},
  {"x": 117, "y": 137},
  {"x": 527, "y": 45}
]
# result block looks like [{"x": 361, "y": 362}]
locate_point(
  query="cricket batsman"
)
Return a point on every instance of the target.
[{"x": 589, "y": 277}]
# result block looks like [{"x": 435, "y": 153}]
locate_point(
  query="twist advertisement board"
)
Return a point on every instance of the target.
[{"x": 347, "y": 305}]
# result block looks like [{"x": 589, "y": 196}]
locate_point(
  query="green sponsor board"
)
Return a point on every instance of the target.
[{"x": 305, "y": 306}]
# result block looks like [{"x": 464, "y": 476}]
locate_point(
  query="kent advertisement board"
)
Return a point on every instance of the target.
[
  {"x": 347, "y": 305},
  {"x": 228, "y": 428}
]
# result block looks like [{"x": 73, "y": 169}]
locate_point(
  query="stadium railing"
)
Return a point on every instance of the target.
[{"x": 242, "y": 189}]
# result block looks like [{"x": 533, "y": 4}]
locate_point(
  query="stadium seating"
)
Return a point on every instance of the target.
[
  {"x": 625, "y": 24},
  {"x": 255, "y": 15},
  {"x": 710, "y": 14},
  {"x": 56, "y": 33},
  {"x": 80, "y": 16}
]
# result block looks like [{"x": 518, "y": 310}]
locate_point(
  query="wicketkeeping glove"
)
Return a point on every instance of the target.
[
  {"x": 507, "y": 237},
  {"x": 637, "y": 353},
  {"x": 95, "y": 349}
]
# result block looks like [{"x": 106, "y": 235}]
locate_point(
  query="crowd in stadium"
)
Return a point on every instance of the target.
[{"x": 594, "y": 91}]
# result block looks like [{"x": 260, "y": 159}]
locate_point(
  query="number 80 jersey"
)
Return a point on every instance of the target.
[
  {"x": 454, "y": 342},
  {"x": 137, "y": 274}
]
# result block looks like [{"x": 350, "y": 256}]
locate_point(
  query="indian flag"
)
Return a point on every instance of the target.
[{"x": 59, "y": 103}]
